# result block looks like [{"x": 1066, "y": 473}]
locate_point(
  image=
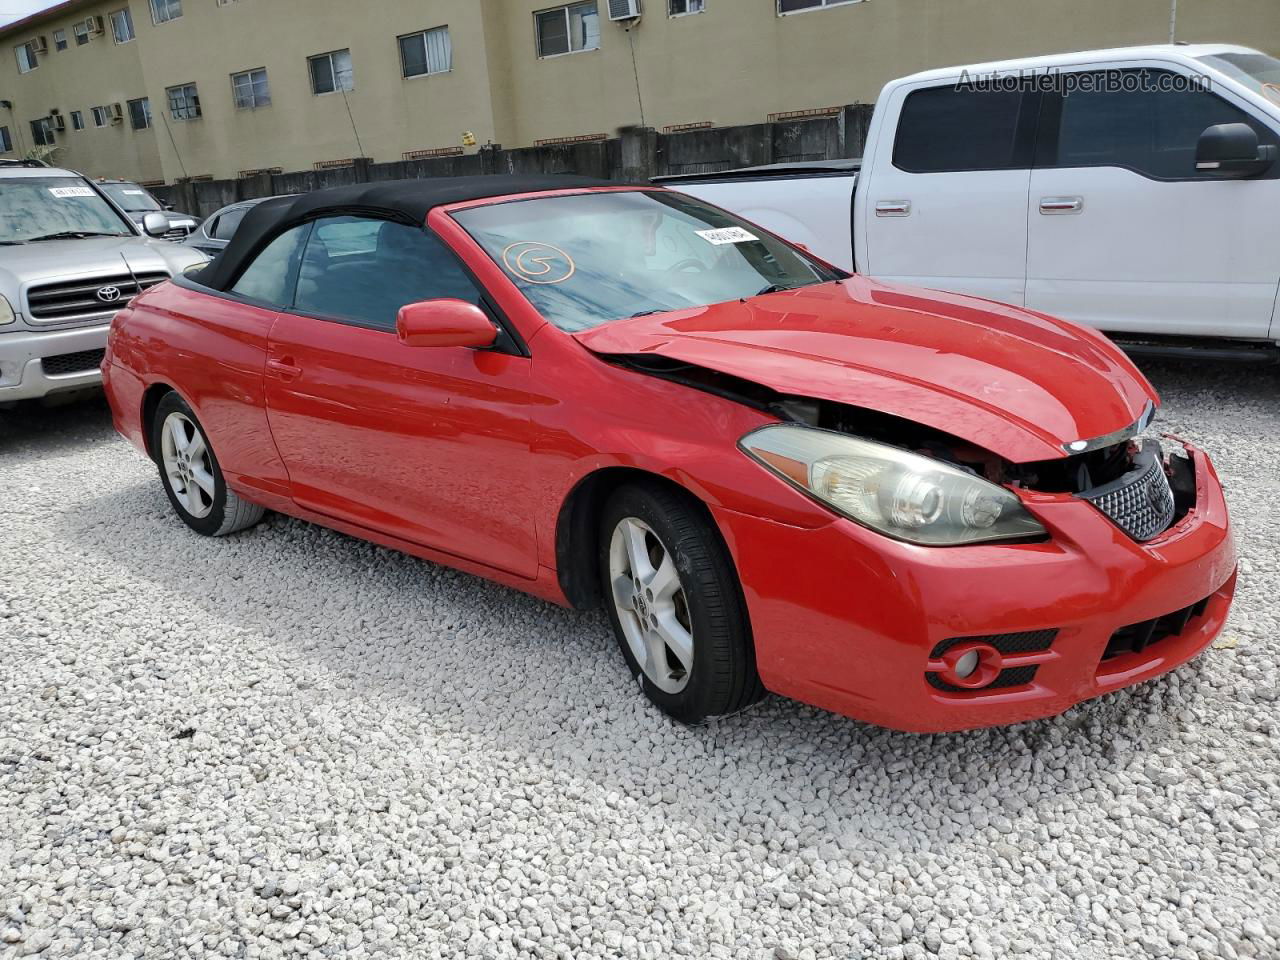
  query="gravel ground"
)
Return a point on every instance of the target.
[{"x": 292, "y": 742}]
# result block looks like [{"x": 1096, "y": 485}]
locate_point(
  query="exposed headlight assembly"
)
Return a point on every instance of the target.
[
  {"x": 900, "y": 494},
  {"x": 6, "y": 312}
]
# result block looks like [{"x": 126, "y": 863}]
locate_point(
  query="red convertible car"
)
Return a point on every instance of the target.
[{"x": 924, "y": 511}]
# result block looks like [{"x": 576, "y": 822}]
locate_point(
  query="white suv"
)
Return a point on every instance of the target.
[{"x": 69, "y": 259}]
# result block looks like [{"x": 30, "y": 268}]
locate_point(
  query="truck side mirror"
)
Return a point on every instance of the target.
[
  {"x": 155, "y": 224},
  {"x": 1233, "y": 148}
]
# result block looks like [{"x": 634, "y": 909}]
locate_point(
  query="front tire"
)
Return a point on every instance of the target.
[
  {"x": 676, "y": 605},
  {"x": 191, "y": 476}
]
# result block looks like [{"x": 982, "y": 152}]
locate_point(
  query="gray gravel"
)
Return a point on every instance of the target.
[{"x": 291, "y": 742}]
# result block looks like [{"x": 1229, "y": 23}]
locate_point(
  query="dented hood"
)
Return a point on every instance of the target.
[{"x": 1019, "y": 384}]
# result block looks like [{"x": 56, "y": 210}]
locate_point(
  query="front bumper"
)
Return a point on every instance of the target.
[
  {"x": 856, "y": 627},
  {"x": 23, "y": 354}
]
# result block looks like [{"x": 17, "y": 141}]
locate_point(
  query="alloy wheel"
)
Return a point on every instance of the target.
[
  {"x": 652, "y": 607},
  {"x": 187, "y": 465}
]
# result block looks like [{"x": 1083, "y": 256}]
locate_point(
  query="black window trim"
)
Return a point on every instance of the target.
[
  {"x": 508, "y": 341},
  {"x": 1046, "y": 152},
  {"x": 1026, "y": 135}
]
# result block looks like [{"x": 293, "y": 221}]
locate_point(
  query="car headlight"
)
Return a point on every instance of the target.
[
  {"x": 6, "y": 312},
  {"x": 895, "y": 492}
]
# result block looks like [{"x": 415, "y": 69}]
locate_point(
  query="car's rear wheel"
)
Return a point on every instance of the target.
[
  {"x": 191, "y": 476},
  {"x": 675, "y": 603}
]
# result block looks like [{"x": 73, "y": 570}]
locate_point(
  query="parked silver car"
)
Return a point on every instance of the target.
[
  {"x": 69, "y": 259},
  {"x": 213, "y": 235}
]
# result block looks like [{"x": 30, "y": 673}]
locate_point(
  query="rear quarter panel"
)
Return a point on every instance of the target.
[{"x": 212, "y": 351}]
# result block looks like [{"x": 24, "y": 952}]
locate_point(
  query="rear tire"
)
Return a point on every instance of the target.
[
  {"x": 676, "y": 605},
  {"x": 190, "y": 474}
]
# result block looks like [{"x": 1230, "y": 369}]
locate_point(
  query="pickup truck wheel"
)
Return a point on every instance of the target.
[
  {"x": 675, "y": 604},
  {"x": 191, "y": 476}
]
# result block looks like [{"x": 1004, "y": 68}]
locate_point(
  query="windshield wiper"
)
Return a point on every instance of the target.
[
  {"x": 778, "y": 288},
  {"x": 74, "y": 235},
  {"x": 11, "y": 243}
]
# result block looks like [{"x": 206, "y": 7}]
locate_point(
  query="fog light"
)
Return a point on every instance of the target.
[
  {"x": 971, "y": 665},
  {"x": 966, "y": 664}
]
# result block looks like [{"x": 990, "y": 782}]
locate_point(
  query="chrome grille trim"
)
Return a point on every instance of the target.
[
  {"x": 70, "y": 300},
  {"x": 1111, "y": 439},
  {"x": 1141, "y": 502}
]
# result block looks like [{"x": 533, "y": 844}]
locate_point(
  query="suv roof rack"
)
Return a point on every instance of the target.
[{"x": 26, "y": 162}]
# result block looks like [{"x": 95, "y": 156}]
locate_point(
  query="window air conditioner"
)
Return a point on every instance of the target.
[{"x": 624, "y": 9}]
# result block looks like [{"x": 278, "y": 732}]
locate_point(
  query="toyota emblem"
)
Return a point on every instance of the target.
[{"x": 109, "y": 294}]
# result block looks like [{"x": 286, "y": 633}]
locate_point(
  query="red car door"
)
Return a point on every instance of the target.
[{"x": 430, "y": 444}]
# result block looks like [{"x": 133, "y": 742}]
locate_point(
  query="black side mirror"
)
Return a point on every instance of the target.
[
  {"x": 1233, "y": 148},
  {"x": 167, "y": 206}
]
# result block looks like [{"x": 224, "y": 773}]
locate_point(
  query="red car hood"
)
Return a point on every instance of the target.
[{"x": 1019, "y": 384}]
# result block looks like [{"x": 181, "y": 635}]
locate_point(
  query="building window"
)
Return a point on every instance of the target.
[
  {"x": 795, "y": 6},
  {"x": 77, "y": 120},
  {"x": 162, "y": 11},
  {"x": 428, "y": 52},
  {"x": 332, "y": 71},
  {"x": 59, "y": 39},
  {"x": 6, "y": 142},
  {"x": 42, "y": 132},
  {"x": 140, "y": 113},
  {"x": 569, "y": 29},
  {"x": 101, "y": 116},
  {"x": 678, "y": 8},
  {"x": 26, "y": 57},
  {"x": 81, "y": 30},
  {"x": 122, "y": 26},
  {"x": 184, "y": 102},
  {"x": 250, "y": 89}
]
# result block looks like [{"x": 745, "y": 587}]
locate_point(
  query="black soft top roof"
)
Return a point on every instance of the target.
[{"x": 408, "y": 201}]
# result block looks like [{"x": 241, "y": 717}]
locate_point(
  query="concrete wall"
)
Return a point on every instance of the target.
[
  {"x": 99, "y": 73},
  {"x": 731, "y": 65},
  {"x": 637, "y": 155}
]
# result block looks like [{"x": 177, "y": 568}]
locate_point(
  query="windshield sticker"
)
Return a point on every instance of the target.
[
  {"x": 538, "y": 262},
  {"x": 63, "y": 193},
  {"x": 726, "y": 235},
  {"x": 134, "y": 193}
]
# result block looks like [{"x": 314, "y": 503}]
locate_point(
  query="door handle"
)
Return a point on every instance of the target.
[
  {"x": 893, "y": 208},
  {"x": 1050, "y": 206},
  {"x": 284, "y": 368}
]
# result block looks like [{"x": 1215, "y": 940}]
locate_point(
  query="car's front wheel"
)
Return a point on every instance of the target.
[
  {"x": 675, "y": 603},
  {"x": 191, "y": 476}
]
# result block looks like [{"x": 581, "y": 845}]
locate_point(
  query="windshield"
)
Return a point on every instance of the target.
[
  {"x": 131, "y": 197},
  {"x": 586, "y": 259},
  {"x": 1257, "y": 71},
  {"x": 32, "y": 208}
]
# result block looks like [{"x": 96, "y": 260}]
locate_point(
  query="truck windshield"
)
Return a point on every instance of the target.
[
  {"x": 585, "y": 259},
  {"x": 1257, "y": 71},
  {"x": 43, "y": 208},
  {"x": 130, "y": 197}
]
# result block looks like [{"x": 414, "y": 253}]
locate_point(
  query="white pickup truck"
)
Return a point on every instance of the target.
[{"x": 1136, "y": 190}]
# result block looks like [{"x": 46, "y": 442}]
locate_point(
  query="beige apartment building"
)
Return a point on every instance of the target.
[{"x": 171, "y": 89}]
